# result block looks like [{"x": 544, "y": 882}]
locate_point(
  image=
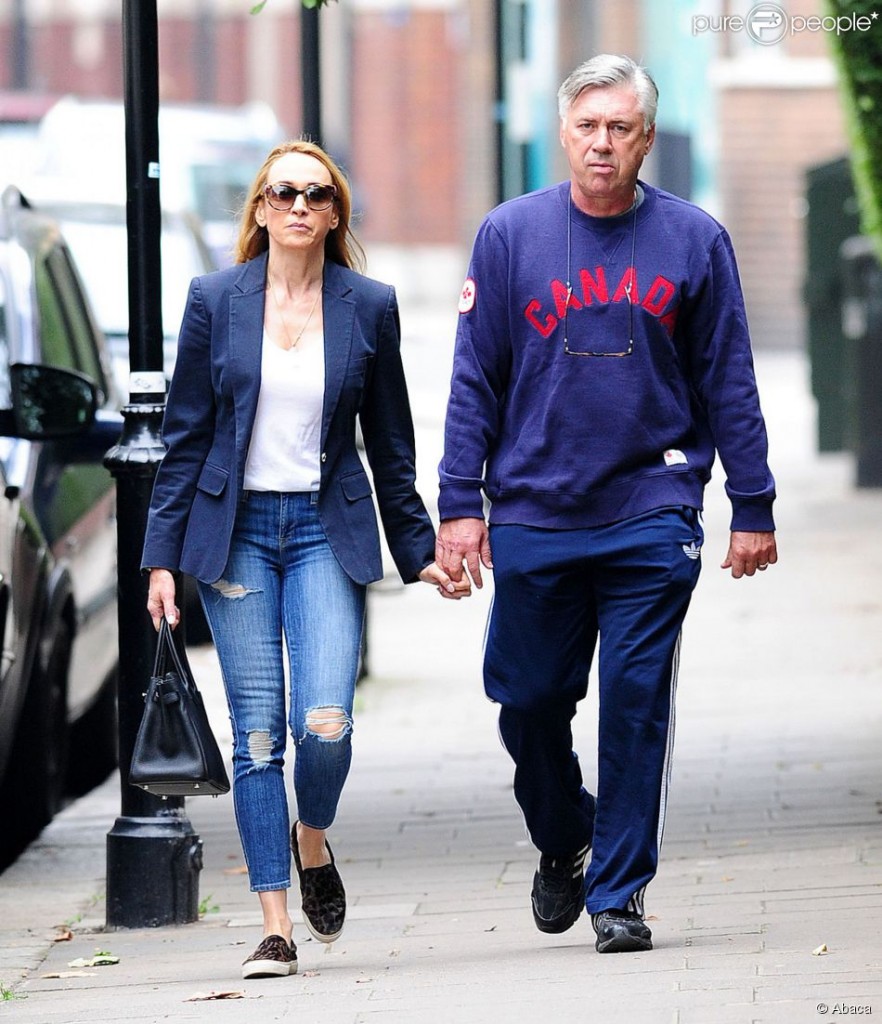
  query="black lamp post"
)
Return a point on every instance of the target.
[
  {"x": 153, "y": 855},
  {"x": 310, "y": 74}
]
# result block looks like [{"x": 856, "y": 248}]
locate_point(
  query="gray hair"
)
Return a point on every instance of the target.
[{"x": 610, "y": 69}]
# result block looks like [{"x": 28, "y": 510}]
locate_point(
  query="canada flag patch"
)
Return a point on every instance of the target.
[
  {"x": 674, "y": 457},
  {"x": 467, "y": 296}
]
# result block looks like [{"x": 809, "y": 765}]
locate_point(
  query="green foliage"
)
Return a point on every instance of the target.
[
  {"x": 207, "y": 907},
  {"x": 858, "y": 54}
]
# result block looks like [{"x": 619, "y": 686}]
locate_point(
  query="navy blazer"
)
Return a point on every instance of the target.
[{"x": 210, "y": 415}]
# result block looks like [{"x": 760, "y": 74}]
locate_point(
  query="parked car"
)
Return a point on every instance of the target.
[
  {"x": 20, "y": 116},
  {"x": 97, "y": 237},
  {"x": 58, "y": 585}
]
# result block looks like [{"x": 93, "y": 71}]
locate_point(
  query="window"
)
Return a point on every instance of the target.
[{"x": 68, "y": 338}]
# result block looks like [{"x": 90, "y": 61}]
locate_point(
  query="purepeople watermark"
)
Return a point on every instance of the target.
[{"x": 768, "y": 24}]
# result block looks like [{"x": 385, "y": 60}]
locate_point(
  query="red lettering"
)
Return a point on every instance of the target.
[
  {"x": 533, "y": 307},
  {"x": 658, "y": 296},
  {"x": 563, "y": 297},
  {"x": 627, "y": 287},
  {"x": 669, "y": 321},
  {"x": 594, "y": 288}
]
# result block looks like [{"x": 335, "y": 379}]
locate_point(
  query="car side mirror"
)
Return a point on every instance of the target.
[{"x": 48, "y": 402}]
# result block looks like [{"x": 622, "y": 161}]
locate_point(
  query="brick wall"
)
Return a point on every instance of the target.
[
  {"x": 772, "y": 137},
  {"x": 406, "y": 125}
]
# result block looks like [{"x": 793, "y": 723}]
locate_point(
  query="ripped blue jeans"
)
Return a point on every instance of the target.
[{"x": 282, "y": 586}]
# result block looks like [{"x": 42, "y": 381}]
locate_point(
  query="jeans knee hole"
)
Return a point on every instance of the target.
[
  {"x": 330, "y": 724},
  {"x": 260, "y": 746}
]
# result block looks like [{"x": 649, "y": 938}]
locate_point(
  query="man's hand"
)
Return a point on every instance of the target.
[
  {"x": 463, "y": 542},
  {"x": 749, "y": 552}
]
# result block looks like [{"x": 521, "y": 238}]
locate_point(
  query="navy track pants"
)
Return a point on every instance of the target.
[{"x": 557, "y": 592}]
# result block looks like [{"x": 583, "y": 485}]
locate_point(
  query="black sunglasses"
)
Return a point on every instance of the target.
[{"x": 282, "y": 197}]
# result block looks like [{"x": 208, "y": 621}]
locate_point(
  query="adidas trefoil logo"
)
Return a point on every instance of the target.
[{"x": 692, "y": 550}]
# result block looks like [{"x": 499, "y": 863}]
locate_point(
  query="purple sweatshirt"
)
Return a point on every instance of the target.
[{"x": 562, "y": 440}]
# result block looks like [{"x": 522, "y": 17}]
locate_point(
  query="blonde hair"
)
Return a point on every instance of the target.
[{"x": 341, "y": 245}]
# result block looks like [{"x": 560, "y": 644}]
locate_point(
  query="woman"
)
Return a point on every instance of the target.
[{"x": 262, "y": 497}]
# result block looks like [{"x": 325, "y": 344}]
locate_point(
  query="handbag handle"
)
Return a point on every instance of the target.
[{"x": 165, "y": 648}]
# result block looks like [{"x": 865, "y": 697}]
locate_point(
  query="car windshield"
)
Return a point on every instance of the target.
[
  {"x": 220, "y": 188},
  {"x": 98, "y": 239}
]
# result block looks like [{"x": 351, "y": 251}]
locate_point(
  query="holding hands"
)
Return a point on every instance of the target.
[
  {"x": 462, "y": 547},
  {"x": 450, "y": 589}
]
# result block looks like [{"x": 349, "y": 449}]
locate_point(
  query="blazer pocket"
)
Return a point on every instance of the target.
[
  {"x": 212, "y": 479},
  {"x": 356, "y": 486},
  {"x": 356, "y": 373}
]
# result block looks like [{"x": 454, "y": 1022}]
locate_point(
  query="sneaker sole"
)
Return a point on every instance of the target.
[
  {"x": 623, "y": 944},
  {"x": 320, "y": 936},
  {"x": 562, "y": 924},
  {"x": 268, "y": 969}
]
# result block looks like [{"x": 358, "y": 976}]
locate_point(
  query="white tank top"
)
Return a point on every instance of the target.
[{"x": 284, "y": 454}]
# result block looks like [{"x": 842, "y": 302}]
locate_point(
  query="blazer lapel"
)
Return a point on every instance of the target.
[
  {"x": 245, "y": 345},
  {"x": 339, "y": 316}
]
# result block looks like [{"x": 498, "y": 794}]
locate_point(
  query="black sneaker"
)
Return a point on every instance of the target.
[
  {"x": 274, "y": 957},
  {"x": 620, "y": 931},
  {"x": 558, "y": 894}
]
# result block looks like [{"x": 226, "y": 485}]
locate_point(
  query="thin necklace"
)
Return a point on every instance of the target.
[
  {"x": 292, "y": 344},
  {"x": 630, "y": 347}
]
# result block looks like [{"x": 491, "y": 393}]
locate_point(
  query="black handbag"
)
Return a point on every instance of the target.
[{"x": 175, "y": 752}]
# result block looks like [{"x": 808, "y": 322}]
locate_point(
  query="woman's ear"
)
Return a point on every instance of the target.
[{"x": 260, "y": 215}]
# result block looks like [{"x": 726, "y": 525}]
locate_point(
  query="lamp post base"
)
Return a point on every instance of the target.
[{"x": 153, "y": 867}]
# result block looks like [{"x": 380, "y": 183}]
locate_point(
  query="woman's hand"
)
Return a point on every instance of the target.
[
  {"x": 437, "y": 577},
  {"x": 161, "y": 598}
]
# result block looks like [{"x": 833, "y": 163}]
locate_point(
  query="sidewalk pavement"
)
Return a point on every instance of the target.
[{"x": 768, "y": 903}]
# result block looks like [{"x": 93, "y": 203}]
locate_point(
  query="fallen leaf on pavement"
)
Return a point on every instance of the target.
[
  {"x": 310, "y": 974},
  {"x": 63, "y": 935},
  {"x": 242, "y": 870},
  {"x": 98, "y": 960},
  {"x": 201, "y": 997},
  {"x": 821, "y": 950},
  {"x": 69, "y": 974}
]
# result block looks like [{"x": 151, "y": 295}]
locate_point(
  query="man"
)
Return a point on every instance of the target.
[{"x": 602, "y": 356}]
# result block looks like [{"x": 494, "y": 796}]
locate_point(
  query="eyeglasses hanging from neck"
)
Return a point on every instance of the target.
[{"x": 578, "y": 351}]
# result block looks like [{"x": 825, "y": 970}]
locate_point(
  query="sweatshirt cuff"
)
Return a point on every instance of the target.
[
  {"x": 752, "y": 516},
  {"x": 456, "y": 501}
]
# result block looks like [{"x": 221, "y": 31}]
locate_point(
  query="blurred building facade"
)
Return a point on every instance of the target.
[{"x": 439, "y": 109}]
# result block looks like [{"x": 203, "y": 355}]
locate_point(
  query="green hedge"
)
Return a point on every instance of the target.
[{"x": 858, "y": 54}]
